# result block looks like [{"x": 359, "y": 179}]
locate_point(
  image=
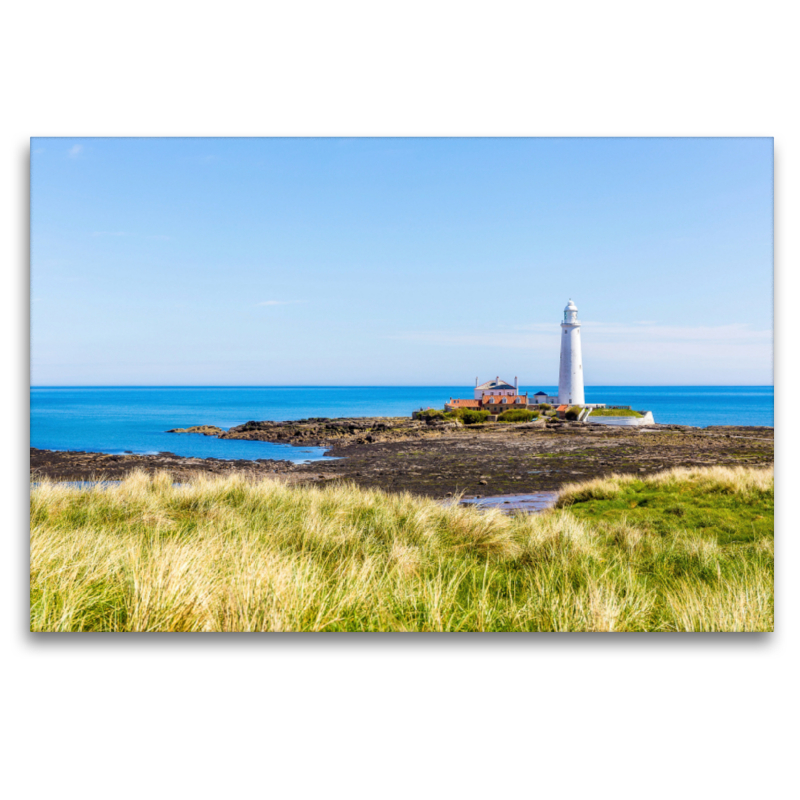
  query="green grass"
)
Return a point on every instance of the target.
[
  {"x": 472, "y": 417},
  {"x": 669, "y": 508},
  {"x": 686, "y": 550},
  {"x": 468, "y": 416},
  {"x": 614, "y": 412},
  {"x": 431, "y": 413},
  {"x": 518, "y": 415}
]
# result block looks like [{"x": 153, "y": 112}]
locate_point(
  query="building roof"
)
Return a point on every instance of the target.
[
  {"x": 458, "y": 403},
  {"x": 506, "y": 399},
  {"x": 543, "y": 394},
  {"x": 496, "y": 384}
]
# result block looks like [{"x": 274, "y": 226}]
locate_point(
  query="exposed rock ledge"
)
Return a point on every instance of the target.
[
  {"x": 206, "y": 430},
  {"x": 70, "y": 465},
  {"x": 322, "y": 431}
]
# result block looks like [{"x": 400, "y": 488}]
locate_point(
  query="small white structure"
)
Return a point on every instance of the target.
[
  {"x": 647, "y": 419},
  {"x": 495, "y": 387},
  {"x": 570, "y": 373},
  {"x": 543, "y": 397}
]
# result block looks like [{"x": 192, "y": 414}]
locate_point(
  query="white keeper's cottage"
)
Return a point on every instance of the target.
[{"x": 495, "y": 387}]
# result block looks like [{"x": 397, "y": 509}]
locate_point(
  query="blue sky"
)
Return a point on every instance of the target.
[{"x": 399, "y": 261}]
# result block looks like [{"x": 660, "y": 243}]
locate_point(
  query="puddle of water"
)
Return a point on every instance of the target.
[
  {"x": 533, "y": 503},
  {"x": 92, "y": 484},
  {"x": 80, "y": 484}
]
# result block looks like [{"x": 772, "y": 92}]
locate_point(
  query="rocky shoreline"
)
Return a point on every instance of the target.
[
  {"x": 322, "y": 432},
  {"x": 73, "y": 465},
  {"x": 443, "y": 458}
]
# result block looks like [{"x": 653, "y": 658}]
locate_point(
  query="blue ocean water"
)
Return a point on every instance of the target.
[{"x": 135, "y": 419}]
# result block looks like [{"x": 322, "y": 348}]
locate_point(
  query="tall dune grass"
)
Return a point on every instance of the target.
[{"x": 230, "y": 554}]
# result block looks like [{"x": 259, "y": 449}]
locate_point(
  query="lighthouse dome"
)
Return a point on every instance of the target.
[{"x": 571, "y": 313}]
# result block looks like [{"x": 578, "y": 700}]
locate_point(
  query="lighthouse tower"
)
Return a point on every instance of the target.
[{"x": 570, "y": 374}]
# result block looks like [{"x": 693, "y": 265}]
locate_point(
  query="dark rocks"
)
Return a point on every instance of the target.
[
  {"x": 205, "y": 430},
  {"x": 320, "y": 432},
  {"x": 512, "y": 459}
]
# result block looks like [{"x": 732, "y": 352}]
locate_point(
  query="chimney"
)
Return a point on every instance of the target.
[
  {"x": 516, "y": 382},
  {"x": 476, "y": 383}
]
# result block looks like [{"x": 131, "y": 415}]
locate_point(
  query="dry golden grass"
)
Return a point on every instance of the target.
[{"x": 229, "y": 554}]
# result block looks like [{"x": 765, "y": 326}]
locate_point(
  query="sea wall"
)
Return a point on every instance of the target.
[{"x": 647, "y": 419}]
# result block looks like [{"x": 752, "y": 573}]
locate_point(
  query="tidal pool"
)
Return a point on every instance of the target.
[{"x": 533, "y": 503}]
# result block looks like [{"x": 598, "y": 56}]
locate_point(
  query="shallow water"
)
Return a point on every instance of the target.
[
  {"x": 88, "y": 485},
  {"x": 533, "y": 503},
  {"x": 82, "y": 484}
]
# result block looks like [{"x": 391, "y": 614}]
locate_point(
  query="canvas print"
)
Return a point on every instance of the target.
[{"x": 401, "y": 385}]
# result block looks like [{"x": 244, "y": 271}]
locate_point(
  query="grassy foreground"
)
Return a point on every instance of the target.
[{"x": 680, "y": 551}]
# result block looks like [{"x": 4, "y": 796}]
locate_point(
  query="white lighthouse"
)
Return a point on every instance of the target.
[{"x": 570, "y": 373}]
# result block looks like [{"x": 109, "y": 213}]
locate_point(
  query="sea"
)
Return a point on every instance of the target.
[{"x": 118, "y": 420}]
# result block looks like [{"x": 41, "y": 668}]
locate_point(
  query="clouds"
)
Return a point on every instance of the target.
[
  {"x": 75, "y": 151},
  {"x": 693, "y": 334},
  {"x": 543, "y": 333},
  {"x": 623, "y": 352}
]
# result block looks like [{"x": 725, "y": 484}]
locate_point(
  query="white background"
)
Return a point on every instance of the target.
[{"x": 396, "y": 716}]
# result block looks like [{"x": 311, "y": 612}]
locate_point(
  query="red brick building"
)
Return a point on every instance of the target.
[
  {"x": 497, "y": 404},
  {"x": 493, "y": 403}
]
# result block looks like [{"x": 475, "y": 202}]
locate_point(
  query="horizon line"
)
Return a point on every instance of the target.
[{"x": 368, "y": 385}]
